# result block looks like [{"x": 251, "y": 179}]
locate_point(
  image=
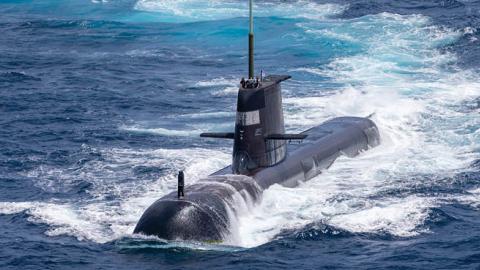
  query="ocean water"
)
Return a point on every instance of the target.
[{"x": 102, "y": 102}]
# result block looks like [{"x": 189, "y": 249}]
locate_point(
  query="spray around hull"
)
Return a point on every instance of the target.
[
  {"x": 260, "y": 159},
  {"x": 205, "y": 214},
  {"x": 211, "y": 206}
]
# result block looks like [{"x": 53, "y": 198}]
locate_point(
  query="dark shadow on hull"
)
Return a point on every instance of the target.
[{"x": 211, "y": 204}]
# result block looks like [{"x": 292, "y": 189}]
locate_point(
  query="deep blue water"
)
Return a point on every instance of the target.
[{"x": 101, "y": 102}]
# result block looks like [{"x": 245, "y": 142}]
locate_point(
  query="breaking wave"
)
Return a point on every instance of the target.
[{"x": 400, "y": 73}]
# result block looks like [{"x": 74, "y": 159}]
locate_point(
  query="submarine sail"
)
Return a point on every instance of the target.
[{"x": 261, "y": 157}]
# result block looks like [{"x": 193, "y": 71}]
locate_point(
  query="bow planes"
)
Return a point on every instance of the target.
[{"x": 262, "y": 157}]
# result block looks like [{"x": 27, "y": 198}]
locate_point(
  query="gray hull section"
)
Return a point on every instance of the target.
[{"x": 211, "y": 205}]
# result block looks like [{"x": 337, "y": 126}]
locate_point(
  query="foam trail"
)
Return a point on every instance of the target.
[
  {"x": 472, "y": 198},
  {"x": 98, "y": 218},
  {"x": 163, "y": 131},
  {"x": 227, "y": 86},
  {"x": 192, "y": 124},
  {"x": 415, "y": 93},
  {"x": 193, "y": 10},
  {"x": 400, "y": 74}
]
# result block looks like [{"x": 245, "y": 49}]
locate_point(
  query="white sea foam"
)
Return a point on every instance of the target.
[
  {"x": 228, "y": 86},
  {"x": 472, "y": 198},
  {"x": 194, "y": 124},
  {"x": 193, "y": 130},
  {"x": 163, "y": 131},
  {"x": 193, "y": 10},
  {"x": 217, "y": 82},
  {"x": 99, "y": 218},
  {"x": 400, "y": 76},
  {"x": 400, "y": 217},
  {"x": 406, "y": 82}
]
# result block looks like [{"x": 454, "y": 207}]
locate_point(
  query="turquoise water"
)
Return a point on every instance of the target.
[{"x": 103, "y": 101}]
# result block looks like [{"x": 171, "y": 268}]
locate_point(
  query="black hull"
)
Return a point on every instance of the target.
[{"x": 210, "y": 205}]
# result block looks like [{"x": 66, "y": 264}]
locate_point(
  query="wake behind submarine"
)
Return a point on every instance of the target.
[{"x": 261, "y": 158}]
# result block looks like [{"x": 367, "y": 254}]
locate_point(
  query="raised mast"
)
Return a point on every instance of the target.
[{"x": 251, "y": 71}]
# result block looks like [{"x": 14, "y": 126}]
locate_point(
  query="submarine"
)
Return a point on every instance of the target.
[{"x": 262, "y": 156}]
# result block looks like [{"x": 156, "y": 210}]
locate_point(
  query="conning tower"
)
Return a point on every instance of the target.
[
  {"x": 259, "y": 127},
  {"x": 259, "y": 139},
  {"x": 260, "y": 160}
]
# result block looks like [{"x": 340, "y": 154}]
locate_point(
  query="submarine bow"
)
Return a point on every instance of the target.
[
  {"x": 261, "y": 158},
  {"x": 207, "y": 213}
]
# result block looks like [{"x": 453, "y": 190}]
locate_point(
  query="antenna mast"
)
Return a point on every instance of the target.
[{"x": 250, "y": 43}]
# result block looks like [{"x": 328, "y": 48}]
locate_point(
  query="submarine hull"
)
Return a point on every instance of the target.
[{"x": 211, "y": 205}]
